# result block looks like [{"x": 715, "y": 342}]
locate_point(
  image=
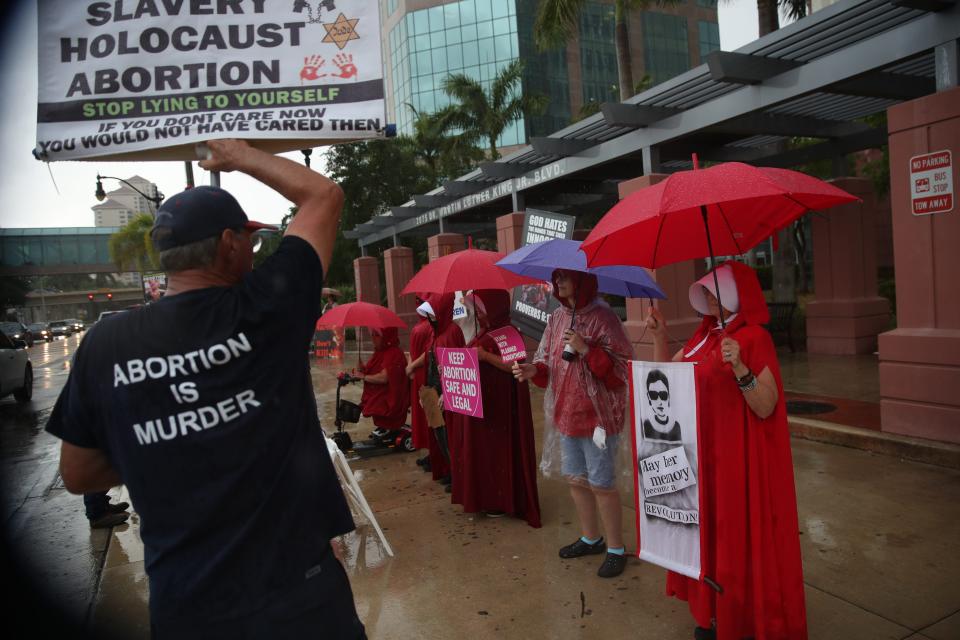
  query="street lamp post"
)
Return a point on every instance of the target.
[{"x": 100, "y": 194}]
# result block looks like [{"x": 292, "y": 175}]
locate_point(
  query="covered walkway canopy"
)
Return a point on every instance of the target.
[{"x": 818, "y": 78}]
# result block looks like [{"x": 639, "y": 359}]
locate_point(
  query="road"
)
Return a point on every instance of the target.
[{"x": 48, "y": 546}]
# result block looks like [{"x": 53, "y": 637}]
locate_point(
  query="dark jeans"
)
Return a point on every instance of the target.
[
  {"x": 96, "y": 504},
  {"x": 333, "y": 616}
]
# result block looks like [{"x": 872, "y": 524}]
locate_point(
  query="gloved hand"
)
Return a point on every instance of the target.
[{"x": 600, "y": 437}]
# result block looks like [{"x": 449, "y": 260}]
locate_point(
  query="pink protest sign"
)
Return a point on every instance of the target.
[
  {"x": 510, "y": 343},
  {"x": 460, "y": 377}
]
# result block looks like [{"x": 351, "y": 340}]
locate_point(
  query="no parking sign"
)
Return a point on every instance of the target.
[{"x": 931, "y": 183}]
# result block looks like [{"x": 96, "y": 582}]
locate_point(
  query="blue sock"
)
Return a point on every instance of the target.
[
  {"x": 619, "y": 551},
  {"x": 589, "y": 541}
]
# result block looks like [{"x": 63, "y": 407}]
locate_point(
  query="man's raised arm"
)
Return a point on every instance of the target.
[{"x": 318, "y": 199}]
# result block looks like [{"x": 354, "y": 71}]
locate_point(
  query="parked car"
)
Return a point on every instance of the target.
[
  {"x": 61, "y": 329},
  {"x": 17, "y": 331},
  {"x": 16, "y": 372},
  {"x": 40, "y": 331},
  {"x": 77, "y": 324}
]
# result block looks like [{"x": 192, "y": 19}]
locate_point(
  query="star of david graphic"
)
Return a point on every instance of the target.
[{"x": 341, "y": 31}]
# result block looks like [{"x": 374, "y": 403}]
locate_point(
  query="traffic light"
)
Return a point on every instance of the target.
[
  {"x": 109, "y": 296},
  {"x": 90, "y": 297}
]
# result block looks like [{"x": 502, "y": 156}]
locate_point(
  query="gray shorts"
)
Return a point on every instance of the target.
[{"x": 581, "y": 459}]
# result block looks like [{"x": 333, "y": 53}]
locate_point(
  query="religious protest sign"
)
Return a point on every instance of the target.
[
  {"x": 154, "y": 286},
  {"x": 328, "y": 342},
  {"x": 460, "y": 381},
  {"x": 147, "y": 79},
  {"x": 663, "y": 398},
  {"x": 533, "y": 303},
  {"x": 510, "y": 343}
]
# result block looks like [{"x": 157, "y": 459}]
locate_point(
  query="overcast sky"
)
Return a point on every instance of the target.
[{"x": 60, "y": 194}]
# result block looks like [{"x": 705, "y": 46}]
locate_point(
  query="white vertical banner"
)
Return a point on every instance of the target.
[
  {"x": 146, "y": 79},
  {"x": 663, "y": 398}
]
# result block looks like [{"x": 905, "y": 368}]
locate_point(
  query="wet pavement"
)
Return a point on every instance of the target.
[
  {"x": 46, "y": 536},
  {"x": 880, "y": 539}
]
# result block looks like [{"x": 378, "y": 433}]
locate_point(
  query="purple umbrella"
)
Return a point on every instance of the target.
[{"x": 539, "y": 260}]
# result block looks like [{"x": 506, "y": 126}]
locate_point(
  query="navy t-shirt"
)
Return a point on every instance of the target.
[{"x": 203, "y": 403}]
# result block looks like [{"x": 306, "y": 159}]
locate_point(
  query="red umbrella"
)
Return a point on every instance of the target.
[
  {"x": 724, "y": 210},
  {"x": 465, "y": 270},
  {"x": 361, "y": 314}
]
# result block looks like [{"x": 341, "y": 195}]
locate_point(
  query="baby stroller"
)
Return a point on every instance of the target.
[{"x": 381, "y": 441}]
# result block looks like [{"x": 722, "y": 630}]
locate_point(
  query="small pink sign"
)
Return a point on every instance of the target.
[
  {"x": 460, "y": 378},
  {"x": 510, "y": 343}
]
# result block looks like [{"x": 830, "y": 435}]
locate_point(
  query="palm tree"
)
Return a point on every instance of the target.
[
  {"x": 557, "y": 20},
  {"x": 131, "y": 248},
  {"x": 486, "y": 115},
  {"x": 435, "y": 145},
  {"x": 768, "y": 13}
]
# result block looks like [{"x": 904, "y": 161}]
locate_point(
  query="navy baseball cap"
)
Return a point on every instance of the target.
[{"x": 196, "y": 214}]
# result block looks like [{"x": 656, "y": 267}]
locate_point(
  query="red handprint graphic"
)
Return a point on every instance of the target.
[
  {"x": 344, "y": 62},
  {"x": 311, "y": 68}
]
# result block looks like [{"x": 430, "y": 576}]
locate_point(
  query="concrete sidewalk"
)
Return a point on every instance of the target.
[{"x": 880, "y": 538}]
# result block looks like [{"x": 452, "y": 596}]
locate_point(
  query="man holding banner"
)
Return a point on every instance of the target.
[
  {"x": 203, "y": 406},
  {"x": 751, "y": 574}
]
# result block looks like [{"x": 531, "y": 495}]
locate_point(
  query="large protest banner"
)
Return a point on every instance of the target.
[
  {"x": 533, "y": 303},
  {"x": 147, "y": 79},
  {"x": 663, "y": 398}
]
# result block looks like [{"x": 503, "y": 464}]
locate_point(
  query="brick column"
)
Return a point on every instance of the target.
[
  {"x": 675, "y": 280},
  {"x": 920, "y": 359},
  {"x": 398, "y": 266},
  {"x": 510, "y": 232},
  {"x": 847, "y": 314},
  {"x": 366, "y": 277},
  {"x": 443, "y": 244}
]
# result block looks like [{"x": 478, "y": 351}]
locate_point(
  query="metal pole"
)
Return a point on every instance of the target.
[
  {"x": 716, "y": 281},
  {"x": 188, "y": 167},
  {"x": 214, "y": 178},
  {"x": 43, "y": 300}
]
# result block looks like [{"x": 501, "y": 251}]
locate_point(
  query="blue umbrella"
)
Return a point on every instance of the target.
[{"x": 539, "y": 260}]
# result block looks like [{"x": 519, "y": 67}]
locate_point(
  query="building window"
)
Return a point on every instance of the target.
[
  {"x": 598, "y": 54},
  {"x": 665, "y": 45},
  {"x": 709, "y": 37},
  {"x": 472, "y": 37}
]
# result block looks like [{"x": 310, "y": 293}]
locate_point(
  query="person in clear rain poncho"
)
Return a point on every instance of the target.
[{"x": 583, "y": 361}]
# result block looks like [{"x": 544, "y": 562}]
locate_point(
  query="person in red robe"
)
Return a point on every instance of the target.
[
  {"x": 498, "y": 472},
  {"x": 746, "y": 469},
  {"x": 385, "y": 391},
  {"x": 439, "y": 309},
  {"x": 420, "y": 337}
]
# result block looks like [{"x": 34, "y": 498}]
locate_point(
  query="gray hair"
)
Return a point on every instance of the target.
[{"x": 196, "y": 255}]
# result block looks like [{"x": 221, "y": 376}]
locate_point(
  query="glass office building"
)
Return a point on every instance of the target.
[
  {"x": 423, "y": 44},
  {"x": 476, "y": 38}
]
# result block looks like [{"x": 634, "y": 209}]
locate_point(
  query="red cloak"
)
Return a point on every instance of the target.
[
  {"x": 446, "y": 334},
  {"x": 498, "y": 462},
  {"x": 387, "y": 403},
  {"x": 420, "y": 337},
  {"x": 749, "y": 532}
]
